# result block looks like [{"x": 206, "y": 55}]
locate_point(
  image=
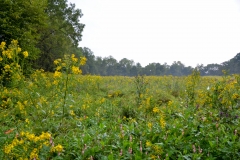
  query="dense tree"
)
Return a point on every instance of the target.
[
  {"x": 177, "y": 68},
  {"x": 61, "y": 34},
  {"x": 90, "y": 66},
  {"x": 233, "y": 65},
  {"x": 47, "y": 29},
  {"x": 21, "y": 20}
]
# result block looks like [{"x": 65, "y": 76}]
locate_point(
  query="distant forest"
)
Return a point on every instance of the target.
[
  {"x": 49, "y": 29},
  {"x": 109, "y": 66}
]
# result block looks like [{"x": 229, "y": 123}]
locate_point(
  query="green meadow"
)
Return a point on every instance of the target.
[{"x": 66, "y": 115}]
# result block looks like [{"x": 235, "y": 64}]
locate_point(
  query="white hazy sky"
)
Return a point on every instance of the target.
[{"x": 191, "y": 31}]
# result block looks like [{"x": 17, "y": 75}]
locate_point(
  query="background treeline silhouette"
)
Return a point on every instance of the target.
[{"x": 110, "y": 66}]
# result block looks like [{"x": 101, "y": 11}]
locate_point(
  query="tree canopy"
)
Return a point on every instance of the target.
[{"x": 47, "y": 29}]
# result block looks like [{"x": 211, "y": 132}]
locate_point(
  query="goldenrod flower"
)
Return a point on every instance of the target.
[
  {"x": 76, "y": 70},
  {"x": 7, "y": 53},
  {"x": 7, "y": 67},
  {"x": 74, "y": 59},
  {"x": 27, "y": 120},
  {"x": 71, "y": 112},
  {"x": 148, "y": 144},
  {"x": 31, "y": 137},
  {"x": 156, "y": 110},
  {"x": 58, "y": 148},
  {"x": 162, "y": 122},
  {"x": 83, "y": 61},
  {"x": 57, "y": 61},
  {"x": 8, "y": 148},
  {"x": 58, "y": 68},
  {"x": 149, "y": 125},
  {"x": 57, "y": 74},
  {"x": 33, "y": 154},
  {"x": 25, "y": 54},
  {"x": 19, "y": 49},
  {"x": 14, "y": 42},
  {"x": 2, "y": 45},
  {"x": 55, "y": 82},
  {"x": 235, "y": 96},
  {"x": 45, "y": 136},
  {"x": 157, "y": 149}
]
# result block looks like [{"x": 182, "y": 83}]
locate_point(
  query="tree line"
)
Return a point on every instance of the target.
[
  {"x": 110, "y": 66},
  {"x": 48, "y": 29}
]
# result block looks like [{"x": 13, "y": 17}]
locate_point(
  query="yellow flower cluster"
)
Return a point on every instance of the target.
[
  {"x": 12, "y": 50},
  {"x": 25, "y": 54},
  {"x": 83, "y": 61},
  {"x": 149, "y": 125},
  {"x": 74, "y": 59},
  {"x": 76, "y": 70},
  {"x": 57, "y": 61},
  {"x": 2, "y": 45},
  {"x": 156, "y": 110},
  {"x": 148, "y": 144},
  {"x": 34, "y": 154},
  {"x": 57, "y": 74},
  {"x": 58, "y": 148},
  {"x": 27, "y": 141}
]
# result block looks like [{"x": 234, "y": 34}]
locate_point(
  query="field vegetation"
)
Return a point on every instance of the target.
[{"x": 66, "y": 115}]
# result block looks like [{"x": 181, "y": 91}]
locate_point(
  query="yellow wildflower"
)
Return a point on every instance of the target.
[
  {"x": 55, "y": 82},
  {"x": 7, "y": 67},
  {"x": 74, "y": 59},
  {"x": 57, "y": 74},
  {"x": 2, "y": 45},
  {"x": 45, "y": 136},
  {"x": 33, "y": 154},
  {"x": 19, "y": 49},
  {"x": 156, "y": 110},
  {"x": 83, "y": 61},
  {"x": 148, "y": 144},
  {"x": 58, "y": 68},
  {"x": 162, "y": 122},
  {"x": 71, "y": 112},
  {"x": 25, "y": 54},
  {"x": 31, "y": 137},
  {"x": 157, "y": 149},
  {"x": 149, "y": 125},
  {"x": 76, "y": 70},
  {"x": 58, "y": 148},
  {"x": 14, "y": 42},
  {"x": 57, "y": 61},
  {"x": 8, "y": 148},
  {"x": 27, "y": 120},
  {"x": 235, "y": 96}
]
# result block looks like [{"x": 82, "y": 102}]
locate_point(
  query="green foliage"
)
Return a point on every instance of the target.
[
  {"x": 12, "y": 62},
  {"x": 47, "y": 29},
  {"x": 21, "y": 20},
  {"x": 141, "y": 86},
  {"x": 61, "y": 34},
  {"x": 191, "y": 86}
]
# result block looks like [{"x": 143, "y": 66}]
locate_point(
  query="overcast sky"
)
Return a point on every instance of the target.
[{"x": 191, "y": 31}]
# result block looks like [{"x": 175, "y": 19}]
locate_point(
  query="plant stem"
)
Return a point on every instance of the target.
[{"x": 65, "y": 96}]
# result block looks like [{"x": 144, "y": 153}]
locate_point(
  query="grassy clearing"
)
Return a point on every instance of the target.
[
  {"x": 120, "y": 118},
  {"x": 68, "y": 116}
]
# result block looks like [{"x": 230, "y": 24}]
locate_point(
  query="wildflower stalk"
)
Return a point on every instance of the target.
[{"x": 65, "y": 95}]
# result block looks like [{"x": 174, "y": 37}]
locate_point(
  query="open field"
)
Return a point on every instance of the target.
[{"x": 92, "y": 117}]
